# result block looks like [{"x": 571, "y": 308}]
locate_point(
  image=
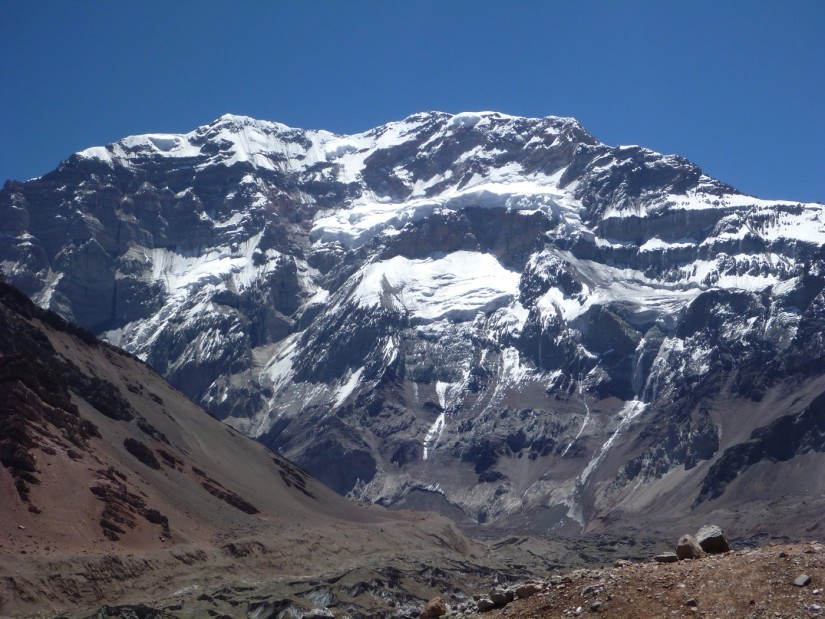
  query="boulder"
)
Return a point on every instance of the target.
[
  {"x": 803, "y": 580},
  {"x": 485, "y": 604},
  {"x": 712, "y": 540},
  {"x": 436, "y": 607},
  {"x": 501, "y": 597},
  {"x": 688, "y": 548}
]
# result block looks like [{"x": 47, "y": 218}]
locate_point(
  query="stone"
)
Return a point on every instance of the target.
[
  {"x": 688, "y": 548},
  {"x": 712, "y": 540},
  {"x": 596, "y": 606},
  {"x": 501, "y": 597},
  {"x": 691, "y": 602},
  {"x": 666, "y": 557},
  {"x": 485, "y": 604},
  {"x": 803, "y": 580},
  {"x": 436, "y": 607},
  {"x": 527, "y": 590}
]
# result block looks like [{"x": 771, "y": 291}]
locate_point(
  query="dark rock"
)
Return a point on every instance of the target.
[
  {"x": 131, "y": 611},
  {"x": 712, "y": 540},
  {"x": 691, "y": 602},
  {"x": 501, "y": 597},
  {"x": 688, "y": 548},
  {"x": 596, "y": 606},
  {"x": 666, "y": 557},
  {"x": 141, "y": 452},
  {"x": 485, "y": 604}
]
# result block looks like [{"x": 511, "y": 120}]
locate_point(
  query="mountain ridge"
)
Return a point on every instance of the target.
[{"x": 488, "y": 315}]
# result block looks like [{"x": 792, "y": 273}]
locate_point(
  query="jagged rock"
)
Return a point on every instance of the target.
[
  {"x": 803, "y": 580},
  {"x": 688, "y": 548},
  {"x": 666, "y": 557},
  {"x": 436, "y": 607},
  {"x": 712, "y": 540},
  {"x": 485, "y": 604}
]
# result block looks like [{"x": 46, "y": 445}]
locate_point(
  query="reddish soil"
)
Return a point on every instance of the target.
[{"x": 741, "y": 583}]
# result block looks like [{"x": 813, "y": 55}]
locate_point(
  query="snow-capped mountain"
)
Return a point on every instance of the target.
[{"x": 498, "y": 317}]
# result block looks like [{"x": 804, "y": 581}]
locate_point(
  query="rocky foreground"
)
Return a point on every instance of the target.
[{"x": 774, "y": 581}]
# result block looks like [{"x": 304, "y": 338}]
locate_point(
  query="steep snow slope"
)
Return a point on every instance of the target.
[{"x": 490, "y": 315}]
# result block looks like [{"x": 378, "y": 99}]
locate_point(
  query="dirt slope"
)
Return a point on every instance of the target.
[{"x": 117, "y": 489}]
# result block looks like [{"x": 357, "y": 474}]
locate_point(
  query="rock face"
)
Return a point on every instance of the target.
[{"x": 489, "y": 316}]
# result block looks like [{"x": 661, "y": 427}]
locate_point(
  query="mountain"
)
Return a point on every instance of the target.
[{"x": 495, "y": 317}]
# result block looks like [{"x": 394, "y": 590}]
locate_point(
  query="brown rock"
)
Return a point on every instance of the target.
[
  {"x": 527, "y": 590},
  {"x": 666, "y": 557},
  {"x": 436, "y": 607}
]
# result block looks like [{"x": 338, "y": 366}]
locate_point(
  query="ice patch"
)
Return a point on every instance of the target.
[
  {"x": 433, "y": 434},
  {"x": 441, "y": 391},
  {"x": 347, "y": 388}
]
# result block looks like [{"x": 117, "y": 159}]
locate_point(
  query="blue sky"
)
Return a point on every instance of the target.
[{"x": 738, "y": 87}]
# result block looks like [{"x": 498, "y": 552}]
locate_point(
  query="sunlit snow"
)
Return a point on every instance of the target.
[{"x": 456, "y": 287}]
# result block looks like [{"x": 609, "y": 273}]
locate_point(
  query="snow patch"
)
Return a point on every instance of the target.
[
  {"x": 433, "y": 434},
  {"x": 456, "y": 287},
  {"x": 349, "y": 387}
]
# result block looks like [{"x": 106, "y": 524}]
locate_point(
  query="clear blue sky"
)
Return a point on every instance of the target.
[{"x": 738, "y": 87}]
